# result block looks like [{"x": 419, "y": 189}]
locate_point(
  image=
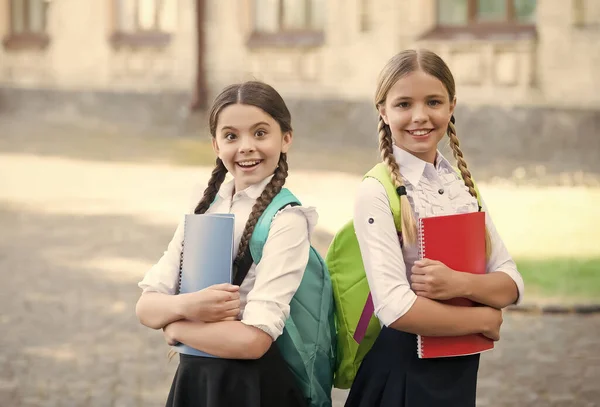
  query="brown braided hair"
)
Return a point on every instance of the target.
[
  {"x": 270, "y": 191},
  {"x": 397, "y": 67},
  {"x": 266, "y": 98}
]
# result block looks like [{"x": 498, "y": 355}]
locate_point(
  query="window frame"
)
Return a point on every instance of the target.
[
  {"x": 284, "y": 37},
  {"x": 26, "y": 39},
  {"x": 139, "y": 37},
  {"x": 509, "y": 28}
]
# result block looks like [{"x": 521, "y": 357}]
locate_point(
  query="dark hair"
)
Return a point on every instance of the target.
[{"x": 270, "y": 101}]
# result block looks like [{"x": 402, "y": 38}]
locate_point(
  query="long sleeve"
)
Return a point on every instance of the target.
[
  {"x": 500, "y": 259},
  {"x": 163, "y": 276},
  {"x": 381, "y": 253},
  {"x": 280, "y": 270}
]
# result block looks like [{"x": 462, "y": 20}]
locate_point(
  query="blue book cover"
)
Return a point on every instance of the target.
[{"x": 207, "y": 257}]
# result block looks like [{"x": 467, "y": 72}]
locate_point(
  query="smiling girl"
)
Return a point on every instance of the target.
[
  {"x": 415, "y": 99},
  {"x": 251, "y": 134}
]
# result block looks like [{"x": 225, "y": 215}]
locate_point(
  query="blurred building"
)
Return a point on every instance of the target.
[{"x": 527, "y": 71}]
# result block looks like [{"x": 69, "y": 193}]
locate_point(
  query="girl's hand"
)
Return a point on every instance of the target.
[
  {"x": 492, "y": 320},
  {"x": 433, "y": 279},
  {"x": 168, "y": 334},
  {"x": 216, "y": 303}
]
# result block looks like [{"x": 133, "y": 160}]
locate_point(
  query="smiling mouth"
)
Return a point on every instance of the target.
[
  {"x": 248, "y": 164},
  {"x": 419, "y": 132}
]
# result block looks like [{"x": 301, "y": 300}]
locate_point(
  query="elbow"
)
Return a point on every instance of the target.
[
  {"x": 143, "y": 316},
  {"x": 256, "y": 345},
  {"x": 508, "y": 296},
  {"x": 509, "y": 299}
]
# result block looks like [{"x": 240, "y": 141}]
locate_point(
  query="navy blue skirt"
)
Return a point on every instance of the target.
[
  {"x": 215, "y": 382},
  {"x": 392, "y": 375}
]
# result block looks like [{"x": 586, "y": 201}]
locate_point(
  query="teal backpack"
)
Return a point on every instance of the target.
[{"x": 308, "y": 340}]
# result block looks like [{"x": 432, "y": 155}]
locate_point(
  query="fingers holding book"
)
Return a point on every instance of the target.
[
  {"x": 434, "y": 280},
  {"x": 218, "y": 302}
]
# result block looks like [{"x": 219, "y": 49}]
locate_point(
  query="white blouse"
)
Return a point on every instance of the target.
[
  {"x": 269, "y": 286},
  {"x": 432, "y": 191}
]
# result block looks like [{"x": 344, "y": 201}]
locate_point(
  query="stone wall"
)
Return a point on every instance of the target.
[{"x": 497, "y": 141}]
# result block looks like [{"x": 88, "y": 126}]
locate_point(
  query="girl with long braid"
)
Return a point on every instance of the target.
[
  {"x": 251, "y": 133},
  {"x": 415, "y": 99}
]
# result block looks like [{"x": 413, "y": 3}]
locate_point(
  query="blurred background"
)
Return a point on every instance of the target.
[{"x": 103, "y": 138}]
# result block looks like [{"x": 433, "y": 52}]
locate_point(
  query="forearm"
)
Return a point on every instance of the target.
[
  {"x": 227, "y": 339},
  {"x": 156, "y": 310},
  {"x": 496, "y": 289},
  {"x": 432, "y": 318}
]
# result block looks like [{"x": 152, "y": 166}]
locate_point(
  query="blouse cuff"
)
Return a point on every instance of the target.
[
  {"x": 266, "y": 316},
  {"x": 390, "y": 312},
  {"x": 518, "y": 279}
]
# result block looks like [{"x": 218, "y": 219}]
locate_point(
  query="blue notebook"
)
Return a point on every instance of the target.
[{"x": 206, "y": 258}]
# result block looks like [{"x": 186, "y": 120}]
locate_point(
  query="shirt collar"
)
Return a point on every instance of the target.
[
  {"x": 412, "y": 167},
  {"x": 253, "y": 191}
]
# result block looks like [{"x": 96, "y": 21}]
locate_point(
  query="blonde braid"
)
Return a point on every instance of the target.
[
  {"x": 409, "y": 226},
  {"x": 214, "y": 183},
  {"x": 466, "y": 176},
  {"x": 270, "y": 191},
  {"x": 460, "y": 160}
]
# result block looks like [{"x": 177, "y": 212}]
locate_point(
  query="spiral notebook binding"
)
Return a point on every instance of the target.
[
  {"x": 181, "y": 259},
  {"x": 421, "y": 242},
  {"x": 419, "y": 346},
  {"x": 421, "y": 238}
]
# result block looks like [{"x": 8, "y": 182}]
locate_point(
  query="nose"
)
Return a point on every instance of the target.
[
  {"x": 419, "y": 114},
  {"x": 247, "y": 144}
]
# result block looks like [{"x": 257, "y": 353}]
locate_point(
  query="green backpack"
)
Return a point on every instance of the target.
[
  {"x": 357, "y": 325},
  {"x": 308, "y": 340}
]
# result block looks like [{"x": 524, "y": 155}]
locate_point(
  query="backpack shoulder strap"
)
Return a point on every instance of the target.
[
  {"x": 261, "y": 230},
  {"x": 381, "y": 174}
]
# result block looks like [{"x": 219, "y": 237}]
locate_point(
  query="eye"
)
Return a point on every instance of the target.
[
  {"x": 434, "y": 103},
  {"x": 403, "y": 105},
  {"x": 260, "y": 133},
  {"x": 230, "y": 136}
]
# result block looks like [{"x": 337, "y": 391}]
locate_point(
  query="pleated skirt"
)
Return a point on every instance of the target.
[
  {"x": 215, "y": 382},
  {"x": 392, "y": 375}
]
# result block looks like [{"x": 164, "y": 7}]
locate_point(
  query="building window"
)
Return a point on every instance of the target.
[
  {"x": 27, "y": 24},
  {"x": 485, "y": 18},
  {"x": 288, "y": 22},
  {"x": 586, "y": 13},
  {"x": 140, "y": 23}
]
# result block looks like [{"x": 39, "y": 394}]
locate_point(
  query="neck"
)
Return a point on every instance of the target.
[{"x": 427, "y": 156}]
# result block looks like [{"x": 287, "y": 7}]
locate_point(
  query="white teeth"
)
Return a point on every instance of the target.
[
  {"x": 420, "y": 132},
  {"x": 248, "y": 163}
]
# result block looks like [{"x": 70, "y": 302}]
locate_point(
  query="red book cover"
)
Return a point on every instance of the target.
[{"x": 458, "y": 241}]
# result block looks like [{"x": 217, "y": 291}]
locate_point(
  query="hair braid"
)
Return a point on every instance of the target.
[
  {"x": 270, "y": 191},
  {"x": 409, "y": 227},
  {"x": 466, "y": 176},
  {"x": 460, "y": 160},
  {"x": 214, "y": 183}
]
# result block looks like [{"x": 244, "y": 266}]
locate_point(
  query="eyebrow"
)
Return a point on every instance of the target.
[
  {"x": 435, "y": 96},
  {"x": 252, "y": 127}
]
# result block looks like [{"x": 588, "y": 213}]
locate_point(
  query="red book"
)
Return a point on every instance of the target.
[{"x": 458, "y": 241}]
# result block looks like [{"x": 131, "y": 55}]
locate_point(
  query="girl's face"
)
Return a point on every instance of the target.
[
  {"x": 417, "y": 109},
  {"x": 249, "y": 142}
]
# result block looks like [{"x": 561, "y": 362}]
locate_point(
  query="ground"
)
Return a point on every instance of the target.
[{"x": 78, "y": 234}]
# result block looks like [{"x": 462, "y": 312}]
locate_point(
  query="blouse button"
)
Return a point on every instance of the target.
[{"x": 441, "y": 191}]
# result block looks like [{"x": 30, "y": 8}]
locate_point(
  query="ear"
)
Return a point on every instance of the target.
[
  {"x": 381, "y": 109},
  {"x": 215, "y": 146},
  {"x": 286, "y": 142},
  {"x": 452, "y": 106}
]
